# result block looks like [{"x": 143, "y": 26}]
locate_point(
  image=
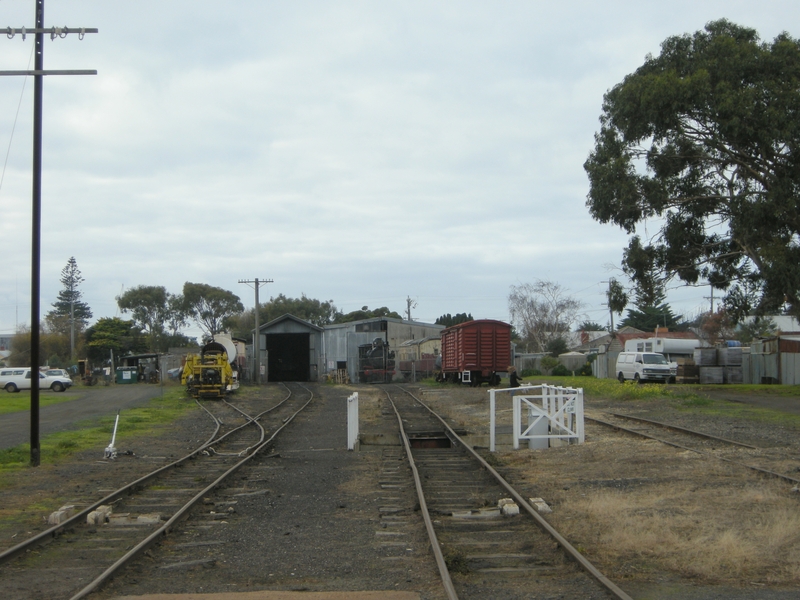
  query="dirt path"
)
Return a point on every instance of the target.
[{"x": 88, "y": 403}]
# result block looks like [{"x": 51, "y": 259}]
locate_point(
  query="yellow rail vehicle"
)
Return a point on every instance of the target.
[{"x": 208, "y": 374}]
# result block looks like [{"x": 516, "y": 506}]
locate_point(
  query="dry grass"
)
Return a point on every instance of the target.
[
  {"x": 731, "y": 534},
  {"x": 638, "y": 508}
]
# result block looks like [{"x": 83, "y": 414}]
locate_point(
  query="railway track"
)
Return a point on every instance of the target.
[
  {"x": 771, "y": 462},
  {"x": 480, "y": 552},
  {"x": 75, "y": 558}
]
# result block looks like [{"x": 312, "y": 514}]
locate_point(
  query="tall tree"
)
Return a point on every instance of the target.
[
  {"x": 149, "y": 307},
  {"x": 542, "y": 312},
  {"x": 209, "y": 306},
  {"x": 114, "y": 334},
  {"x": 651, "y": 309},
  {"x": 706, "y": 138},
  {"x": 70, "y": 314}
]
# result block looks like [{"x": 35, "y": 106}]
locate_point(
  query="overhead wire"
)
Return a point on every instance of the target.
[{"x": 16, "y": 118}]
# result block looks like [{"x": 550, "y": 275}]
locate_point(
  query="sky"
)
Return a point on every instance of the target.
[{"x": 368, "y": 153}]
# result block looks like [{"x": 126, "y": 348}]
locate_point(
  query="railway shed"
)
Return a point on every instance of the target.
[
  {"x": 341, "y": 341},
  {"x": 291, "y": 349}
]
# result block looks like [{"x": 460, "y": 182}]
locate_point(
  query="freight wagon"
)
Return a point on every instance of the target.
[{"x": 476, "y": 351}]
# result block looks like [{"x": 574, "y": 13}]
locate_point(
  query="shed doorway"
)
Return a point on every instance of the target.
[{"x": 288, "y": 356}]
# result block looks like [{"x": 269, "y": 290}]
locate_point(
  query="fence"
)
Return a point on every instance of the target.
[{"x": 558, "y": 416}]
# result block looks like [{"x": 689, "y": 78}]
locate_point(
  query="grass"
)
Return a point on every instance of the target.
[
  {"x": 18, "y": 402},
  {"x": 748, "y": 532},
  {"x": 145, "y": 420}
]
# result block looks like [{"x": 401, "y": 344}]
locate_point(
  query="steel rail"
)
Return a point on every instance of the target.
[
  {"x": 683, "y": 430},
  {"x": 703, "y": 452},
  {"x": 53, "y": 532},
  {"x": 444, "y": 572},
  {"x": 182, "y": 512},
  {"x": 561, "y": 540}
]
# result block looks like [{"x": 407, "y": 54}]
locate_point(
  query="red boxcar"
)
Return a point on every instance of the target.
[{"x": 476, "y": 351}]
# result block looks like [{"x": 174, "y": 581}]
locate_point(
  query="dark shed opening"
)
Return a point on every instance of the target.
[{"x": 289, "y": 356}]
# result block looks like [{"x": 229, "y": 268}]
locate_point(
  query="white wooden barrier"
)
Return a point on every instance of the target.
[
  {"x": 561, "y": 408},
  {"x": 352, "y": 421}
]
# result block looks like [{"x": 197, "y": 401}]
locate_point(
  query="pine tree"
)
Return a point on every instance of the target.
[{"x": 70, "y": 314}]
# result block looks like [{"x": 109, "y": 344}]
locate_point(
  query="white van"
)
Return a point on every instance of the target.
[
  {"x": 15, "y": 379},
  {"x": 644, "y": 366}
]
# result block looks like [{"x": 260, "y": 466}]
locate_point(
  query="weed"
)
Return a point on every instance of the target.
[{"x": 456, "y": 562}]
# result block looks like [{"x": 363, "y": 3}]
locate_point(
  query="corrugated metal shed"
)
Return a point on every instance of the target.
[
  {"x": 773, "y": 360},
  {"x": 340, "y": 342},
  {"x": 293, "y": 349}
]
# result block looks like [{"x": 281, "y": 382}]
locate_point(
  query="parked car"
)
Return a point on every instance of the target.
[
  {"x": 644, "y": 366},
  {"x": 58, "y": 373},
  {"x": 19, "y": 378}
]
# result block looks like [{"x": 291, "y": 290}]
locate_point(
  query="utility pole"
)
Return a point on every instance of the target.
[
  {"x": 409, "y": 305},
  {"x": 711, "y": 298},
  {"x": 36, "y": 242},
  {"x": 256, "y": 283}
]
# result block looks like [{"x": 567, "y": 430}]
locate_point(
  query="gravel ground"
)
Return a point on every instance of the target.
[{"x": 309, "y": 516}]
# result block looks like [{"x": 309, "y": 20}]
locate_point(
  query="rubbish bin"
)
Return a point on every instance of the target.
[{"x": 127, "y": 374}]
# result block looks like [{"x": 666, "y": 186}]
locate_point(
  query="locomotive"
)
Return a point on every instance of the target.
[
  {"x": 209, "y": 374},
  {"x": 375, "y": 362}
]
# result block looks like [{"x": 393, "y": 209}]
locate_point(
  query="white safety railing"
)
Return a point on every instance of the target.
[
  {"x": 553, "y": 413},
  {"x": 352, "y": 421}
]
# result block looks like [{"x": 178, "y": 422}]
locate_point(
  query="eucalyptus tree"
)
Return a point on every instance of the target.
[{"x": 703, "y": 142}]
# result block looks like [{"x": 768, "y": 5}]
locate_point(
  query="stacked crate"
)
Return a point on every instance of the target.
[
  {"x": 719, "y": 365},
  {"x": 706, "y": 360},
  {"x": 730, "y": 359}
]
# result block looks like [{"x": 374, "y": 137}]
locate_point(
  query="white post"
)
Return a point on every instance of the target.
[
  {"x": 579, "y": 416},
  {"x": 491, "y": 420},
  {"x": 517, "y": 422},
  {"x": 352, "y": 421}
]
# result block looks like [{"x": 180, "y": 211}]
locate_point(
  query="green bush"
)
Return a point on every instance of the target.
[
  {"x": 531, "y": 373},
  {"x": 561, "y": 371}
]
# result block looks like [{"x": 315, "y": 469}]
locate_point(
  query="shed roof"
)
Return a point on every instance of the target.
[{"x": 288, "y": 317}]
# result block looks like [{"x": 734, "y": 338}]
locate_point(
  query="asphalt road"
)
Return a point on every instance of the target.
[{"x": 87, "y": 404}]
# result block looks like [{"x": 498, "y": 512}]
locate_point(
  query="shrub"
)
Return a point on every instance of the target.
[
  {"x": 531, "y": 373},
  {"x": 561, "y": 371}
]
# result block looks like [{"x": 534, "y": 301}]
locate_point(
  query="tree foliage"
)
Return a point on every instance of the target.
[
  {"x": 209, "y": 306},
  {"x": 706, "y": 138},
  {"x": 68, "y": 305},
  {"x": 616, "y": 296},
  {"x": 542, "y": 311},
  {"x": 366, "y": 313},
  {"x": 590, "y": 326},
  {"x": 149, "y": 307},
  {"x": 52, "y": 345},
  {"x": 449, "y": 320},
  {"x": 113, "y": 333}
]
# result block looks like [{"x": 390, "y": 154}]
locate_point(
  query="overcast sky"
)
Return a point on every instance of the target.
[{"x": 360, "y": 152}]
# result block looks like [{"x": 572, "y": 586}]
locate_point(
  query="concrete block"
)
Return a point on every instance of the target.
[
  {"x": 540, "y": 505},
  {"x": 61, "y": 515},
  {"x": 148, "y": 519},
  {"x": 99, "y": 516},
  {"x": 509, "y": 510}
]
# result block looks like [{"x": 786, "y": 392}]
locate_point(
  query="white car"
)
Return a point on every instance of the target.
[{"x": 16, "y": 379}]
